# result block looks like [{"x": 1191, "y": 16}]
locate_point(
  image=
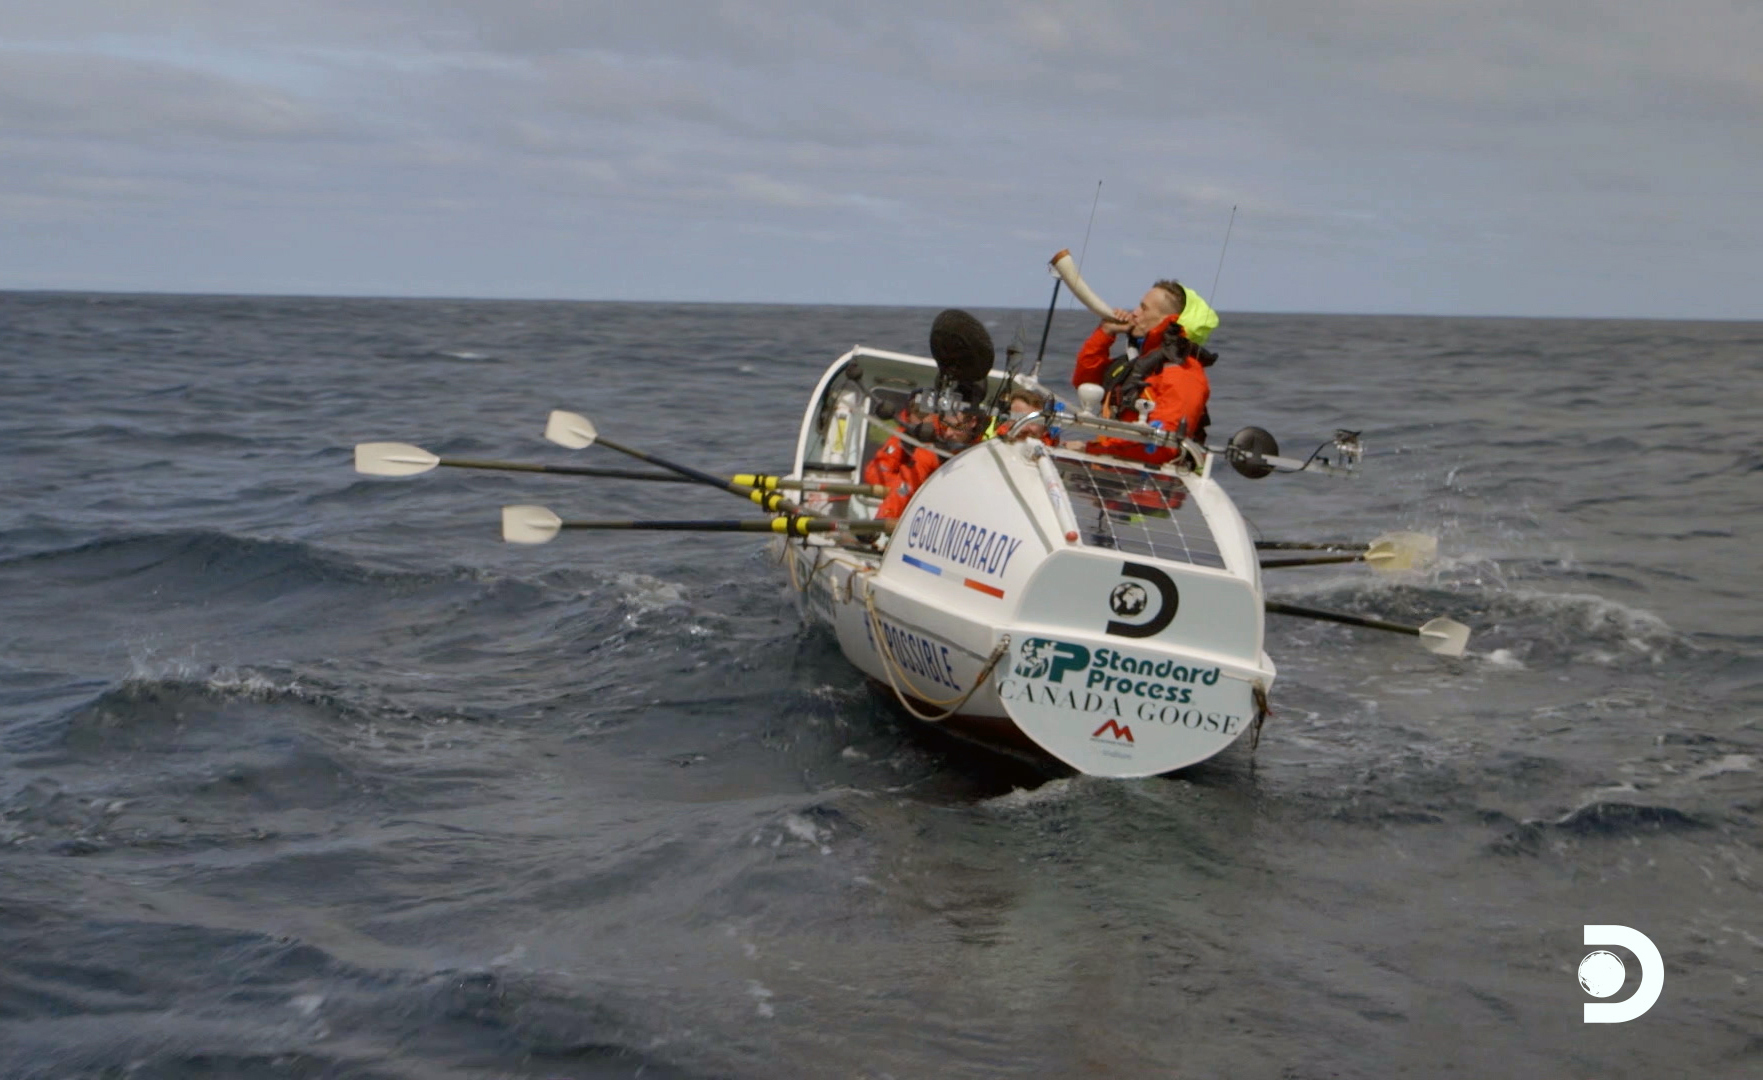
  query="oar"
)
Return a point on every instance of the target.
[
  {"x": 403, "y": 459},
  {"x": 538, "y": 525},
  {"x": 1315, "y": 560},
  {"x": 1443, "y": 636},
  {"x": 1307, "y": 545},
  {"x": 578, "y": 433},
  {"x": 767, "y": 482},
  {"x": 1388, "y": 553}
]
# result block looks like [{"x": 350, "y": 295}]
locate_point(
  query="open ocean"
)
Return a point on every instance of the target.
[{"x": 305, "y": 774}]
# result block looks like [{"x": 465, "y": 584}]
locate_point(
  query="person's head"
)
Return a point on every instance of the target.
[
  {"x": 1160, "y": 301},
  {"x": 960, "y": 426},
  {"x": 1026, "y": 414}
]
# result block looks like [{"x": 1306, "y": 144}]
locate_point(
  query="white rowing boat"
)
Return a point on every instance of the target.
[
  {"x": 1108, "y": 613},
  {"x": 1105, "y": 612}
]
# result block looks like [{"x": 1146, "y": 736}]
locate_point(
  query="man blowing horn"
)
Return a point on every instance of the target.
[{"x": 1161, "y": 378}]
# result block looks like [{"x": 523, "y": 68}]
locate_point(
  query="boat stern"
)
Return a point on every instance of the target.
[{"x": 1124, "y": 666}]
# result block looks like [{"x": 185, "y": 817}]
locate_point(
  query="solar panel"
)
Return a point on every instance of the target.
[{"x": 1137, "y": 511}]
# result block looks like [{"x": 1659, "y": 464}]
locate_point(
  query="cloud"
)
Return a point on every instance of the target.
[
  {"x": 1500, "y": 133},
  {"x": 66, "y": 94}
]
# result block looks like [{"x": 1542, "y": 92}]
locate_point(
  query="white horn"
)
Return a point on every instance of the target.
[{"x": 1064, "y": 266}]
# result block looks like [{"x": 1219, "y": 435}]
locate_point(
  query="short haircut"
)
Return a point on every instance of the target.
[
  {"x": 1175, "y": 291},
  {"x": 1033, "y": 397}
]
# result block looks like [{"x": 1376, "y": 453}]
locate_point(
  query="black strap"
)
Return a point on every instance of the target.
[{"x": 1124, "y": 378}]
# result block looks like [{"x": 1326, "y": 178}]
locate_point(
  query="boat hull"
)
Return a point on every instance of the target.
[{"x": 1128, "y": 645}]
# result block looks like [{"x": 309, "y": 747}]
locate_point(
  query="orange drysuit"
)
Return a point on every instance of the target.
[
  {"x": 899, "y": 468},
  {"x": 1178, "y": 392}
]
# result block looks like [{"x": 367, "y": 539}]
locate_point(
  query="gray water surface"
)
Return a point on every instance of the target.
[{"x": 305, "y": 774}]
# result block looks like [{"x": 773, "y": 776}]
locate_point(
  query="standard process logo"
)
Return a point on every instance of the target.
[{"x": 1601, "y": 974}]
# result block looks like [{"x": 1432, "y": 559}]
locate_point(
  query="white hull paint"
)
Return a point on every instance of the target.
[{"x": 1120, "y": 633}]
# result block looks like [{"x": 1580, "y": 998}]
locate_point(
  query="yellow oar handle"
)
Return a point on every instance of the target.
[
  {"x": 796, "y": 525},
  {"x": 767, "y": 482},
  {"x": 772, "y": 501}
]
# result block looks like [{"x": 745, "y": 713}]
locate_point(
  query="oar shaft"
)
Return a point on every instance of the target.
[
  {"x": 792, "y": 525},
  {"x": 1309, "y": 560},
  {"x": 767, "y": 482},
  {"x": 1305, "y": 545},
  {"x": 1279, "y": 608},
  {"x": 769, "y": 500},
  {"x": 761, "y": 481},
  {"x": 562, "y": 470}
]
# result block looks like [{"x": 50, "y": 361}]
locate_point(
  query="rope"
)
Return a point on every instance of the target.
[
  {"x": 821, "y": 564},
  {"x": 900, "y": 433},
  {"x": 789, "y": 561},
  {"x": 1262, "y": 711},
  {"x": 851, "y": 581},
  {"x": 891, "y": 666}
]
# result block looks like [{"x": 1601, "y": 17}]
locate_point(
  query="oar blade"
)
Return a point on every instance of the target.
[
  {"x": 393, "y": 459},
  {"x": 1394, "y": 552},
  {"x": 570, "y": 429},
  {"x": 1447, "y": 637},
  {"x": 529, "y": 525}
]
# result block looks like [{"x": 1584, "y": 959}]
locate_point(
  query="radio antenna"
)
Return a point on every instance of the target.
[
  {"x": 1086, "y": 244},
  {"x": 1221, "y": 251}
]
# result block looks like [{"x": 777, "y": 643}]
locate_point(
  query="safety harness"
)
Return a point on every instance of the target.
[{"x": 1124, "y": 379}]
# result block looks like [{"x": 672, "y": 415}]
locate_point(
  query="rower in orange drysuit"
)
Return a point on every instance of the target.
[
  {"x": 1178, "y": 390},
  {"x": 902, "y": 468}
]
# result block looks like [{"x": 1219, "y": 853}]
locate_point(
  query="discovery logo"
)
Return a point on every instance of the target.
[
  {"x": 1129, "y": 600},
  {"x": 1601, "y": 974}
]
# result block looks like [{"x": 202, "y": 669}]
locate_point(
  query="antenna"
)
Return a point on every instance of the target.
[
  {"x": 1221, "y": 251},
  {"x": 1086, "y": 244}
]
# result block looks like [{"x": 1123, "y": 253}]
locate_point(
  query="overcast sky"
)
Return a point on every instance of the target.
[{"x": 1522, "y": 157}]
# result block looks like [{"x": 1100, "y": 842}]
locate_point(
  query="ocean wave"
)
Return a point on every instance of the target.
[
  {"x": 1611, "y": 818},
  {"x": 199, "y": 563},
  {"x": 1600, "y": 820},
  {"x": 162, "y": 1001},
  {"x": 155, "y": 679},
  {"x": 222, "y": 759},
  {"x": 215, "y": 559},
  {"x": 1584, "y": 627},
  {"x": 643, "y": 594},
  {"x": 181, "y": 707},
  {"x": 1051, "y": 793},
  {"x": 1517, "y": 626},
  {"x": 143, "y": 438},
  {"x": 1725, "y": 764}
]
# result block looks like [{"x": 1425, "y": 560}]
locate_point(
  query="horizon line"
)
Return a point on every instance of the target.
[{"x": 814, "y": 303}]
